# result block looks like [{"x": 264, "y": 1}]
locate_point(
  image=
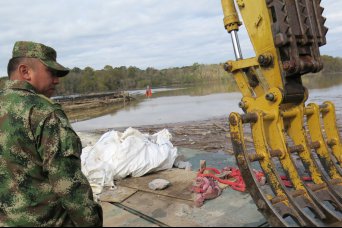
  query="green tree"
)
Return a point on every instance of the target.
[{"x": 111, "y": 78}]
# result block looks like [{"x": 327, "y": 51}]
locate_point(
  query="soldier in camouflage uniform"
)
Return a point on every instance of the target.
[{"x": 41, "y": 183}]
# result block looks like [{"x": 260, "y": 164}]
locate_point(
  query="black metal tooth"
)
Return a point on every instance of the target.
[
  {"x": 324, "y": 19},
  {"x": 298, "y": 31},
  {"x": 305, "y": 18},
  {"x": 282, "y": 28},
  {"x": 286, "y": 25},
  {"x": 323, "y": 29},
  {"x": 288, "y": 30}
]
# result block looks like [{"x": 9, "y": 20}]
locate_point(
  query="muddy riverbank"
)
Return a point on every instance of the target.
[
  {"x": 207, "y": 135},
  {"x": 196, "y": 121},
  {"x": 83, "y": 107}
]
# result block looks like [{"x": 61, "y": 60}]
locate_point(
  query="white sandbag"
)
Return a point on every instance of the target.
[{"x": 117, "y": 155}]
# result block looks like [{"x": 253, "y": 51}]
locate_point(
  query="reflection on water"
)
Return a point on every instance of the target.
[
  {"x": 325, "y": 87},
  {"x": 319, "y": 81},
  {"x": 199, "y": 103},
  {"x": 193, "y": 90},
  {"x": 81, "y": 115},
  {"x": 200, "y": 90},
  {"x": 169, "y": 109},
  {"x": 333, "y": 94}
]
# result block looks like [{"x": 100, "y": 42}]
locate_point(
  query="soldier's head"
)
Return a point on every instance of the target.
[{"x": 36, "y": 64}]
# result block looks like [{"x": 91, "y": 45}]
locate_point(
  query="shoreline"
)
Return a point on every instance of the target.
[{"x": 210, "y": 135}]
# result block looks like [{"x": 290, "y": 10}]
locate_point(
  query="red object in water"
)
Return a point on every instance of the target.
[{"x": 148, "y": 92}]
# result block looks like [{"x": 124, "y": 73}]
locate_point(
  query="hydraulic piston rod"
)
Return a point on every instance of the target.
[
  {"x": 231, "y": 24},
  {"x": 236, "y": 45}
]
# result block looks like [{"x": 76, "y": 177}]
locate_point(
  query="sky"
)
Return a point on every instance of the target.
[{"x": 142, "y": 33}]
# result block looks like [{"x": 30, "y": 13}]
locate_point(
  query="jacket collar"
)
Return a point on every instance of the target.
[{"x": 20, "y": 85}]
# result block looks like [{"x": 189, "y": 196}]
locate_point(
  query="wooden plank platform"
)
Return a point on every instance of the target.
[
  {"x": 181, "y": 182},
  {"x": 174, "y": 206},
  {"x": 168, "y": 210},
  {"x": 116, "y": 195},
  {"x": 116, "y": 217},
  {"x": 135, "y": 205}
]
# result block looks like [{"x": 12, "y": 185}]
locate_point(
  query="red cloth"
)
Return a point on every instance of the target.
[
  {"x": 232, "y": 173},
  {"x": 205, "y": 189}
]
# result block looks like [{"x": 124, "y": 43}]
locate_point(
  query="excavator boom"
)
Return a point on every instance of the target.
[{"x": 291, "y": 138}]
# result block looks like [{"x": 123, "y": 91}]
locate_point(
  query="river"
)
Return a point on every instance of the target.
[{"x": 195, "y": 103}]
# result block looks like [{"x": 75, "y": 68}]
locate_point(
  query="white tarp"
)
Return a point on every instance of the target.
[{"x": 117, "y": 155}]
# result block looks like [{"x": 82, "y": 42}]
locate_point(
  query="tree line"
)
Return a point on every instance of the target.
[
  {"x": 89, "y": 80},
  {"x": 111, "y": 78}
]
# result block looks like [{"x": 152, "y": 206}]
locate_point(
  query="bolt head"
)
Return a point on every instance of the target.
[{"x": 270, "y": 97}]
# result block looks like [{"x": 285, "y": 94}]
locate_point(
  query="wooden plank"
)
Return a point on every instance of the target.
[
  {"x": 117, "y": 195},
  {"x": 171, "y": 211},
  {"x": 181, "y": 182},
  {"x": 116, "y": 217},
  {"x": 231, "y": 209}
]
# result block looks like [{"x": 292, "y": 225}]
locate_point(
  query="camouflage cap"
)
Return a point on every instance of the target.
[{"x": 45, "y": 54}]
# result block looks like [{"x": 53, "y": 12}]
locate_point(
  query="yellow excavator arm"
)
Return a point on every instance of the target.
[{"x": 290, "y": 137}]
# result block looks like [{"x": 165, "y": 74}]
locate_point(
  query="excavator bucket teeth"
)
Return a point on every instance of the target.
[
  {"x": 332, "y": 134},
  {"x": 310, "y": 200},
  {"x": 277, "y": 208},
  {"x": 297, "y": 147},
  {"x": 326, "y": 147}
]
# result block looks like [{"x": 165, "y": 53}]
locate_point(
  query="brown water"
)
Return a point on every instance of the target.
[{"x": 198, "y": 103}]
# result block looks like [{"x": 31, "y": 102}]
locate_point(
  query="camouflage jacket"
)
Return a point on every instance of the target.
[{"x": 41, "y": 183}]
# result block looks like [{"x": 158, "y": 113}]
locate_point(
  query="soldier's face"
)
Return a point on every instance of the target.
[{"x": 43, "y": 79}]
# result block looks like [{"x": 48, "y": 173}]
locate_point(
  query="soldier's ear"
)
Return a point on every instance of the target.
[{"x": 24, "y": 72}]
